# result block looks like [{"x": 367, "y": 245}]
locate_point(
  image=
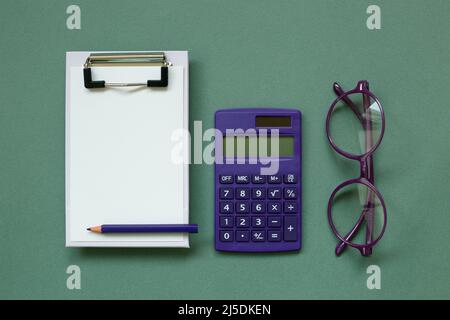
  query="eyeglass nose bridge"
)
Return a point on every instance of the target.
[{"x": 366, "y": 169}]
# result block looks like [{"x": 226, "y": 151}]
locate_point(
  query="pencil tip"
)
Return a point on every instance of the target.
[
  {"x": 96, "y": 229},
  {"x": 88, "y": 229}
]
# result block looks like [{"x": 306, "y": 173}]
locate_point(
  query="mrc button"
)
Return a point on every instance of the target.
[{"x": 242, "y": 178}]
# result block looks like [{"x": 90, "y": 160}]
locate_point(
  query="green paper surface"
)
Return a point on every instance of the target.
[{"x": 242, "y": 54}]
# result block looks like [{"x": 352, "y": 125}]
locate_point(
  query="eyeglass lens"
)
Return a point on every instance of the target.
[
  {"x": 357, "y": 214},
  {"x": 356, "y": 123}
]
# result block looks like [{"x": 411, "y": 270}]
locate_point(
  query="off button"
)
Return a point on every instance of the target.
[{"x": 226, "y": 179}]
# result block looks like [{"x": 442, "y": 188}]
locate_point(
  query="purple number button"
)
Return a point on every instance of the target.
[
  {"x": 258, "y": 193},
  {"x": 258, "y": 207},
  {"x": 242, "y": 222},
  {"x": 226, "y": 207},
  {"x": 242, "y": 207},
  {"x": 226, "y": 222},
  {"x": 226, "y": 193},
  {"x": 242, "y": 193},
  {"x": 226, "y": 236},
  {"x": 258, "y": 222}
]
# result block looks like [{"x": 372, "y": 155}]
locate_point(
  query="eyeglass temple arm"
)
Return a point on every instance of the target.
[
  {"x": 369, "y": 173},
  {"x": 339, "y": 92},
  {"x": 342, "y": 245}
]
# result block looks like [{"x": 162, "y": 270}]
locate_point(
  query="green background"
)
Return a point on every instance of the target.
[{"x": 242, "y": 53}]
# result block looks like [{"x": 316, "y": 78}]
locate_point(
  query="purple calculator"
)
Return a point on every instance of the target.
[{"x": 258, "y": 180}]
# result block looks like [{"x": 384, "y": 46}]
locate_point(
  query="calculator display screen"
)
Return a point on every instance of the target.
[
  {"x": 266, "y": 121},
  {"x": 255, "y": 146}
]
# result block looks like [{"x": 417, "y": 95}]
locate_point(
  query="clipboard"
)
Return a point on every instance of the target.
[{"x": 126, "y": 118}]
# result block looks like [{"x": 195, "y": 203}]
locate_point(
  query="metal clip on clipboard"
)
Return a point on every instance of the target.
[{"x": 123, "y": 60}]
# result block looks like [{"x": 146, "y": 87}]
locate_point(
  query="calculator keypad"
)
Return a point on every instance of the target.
[{"x": 258, "y": 208}]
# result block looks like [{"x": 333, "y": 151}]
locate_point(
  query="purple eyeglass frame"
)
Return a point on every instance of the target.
[{"x": 366, "y": 169}]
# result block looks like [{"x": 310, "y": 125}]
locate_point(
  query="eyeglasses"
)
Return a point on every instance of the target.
[{"x": 355, "y": 127}]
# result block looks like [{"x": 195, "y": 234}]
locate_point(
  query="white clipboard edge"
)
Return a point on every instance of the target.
[{"x": 177, "y": 58}]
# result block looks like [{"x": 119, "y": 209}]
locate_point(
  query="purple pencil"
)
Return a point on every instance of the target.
[{"x": 144, "y": 228}]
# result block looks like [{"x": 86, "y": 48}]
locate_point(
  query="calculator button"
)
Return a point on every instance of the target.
[
  {"x": 258, "y": 222},
  {"x": 258, "y": 179},
  {"x": 226, "y": 179},
  {"x": 258, "y": 193},
  {"x": 242, "y": 236},
  {"x": 290, "y": 178},
  {"x": 226, "y": 236},
  {"x": 226, "y": 222},
  {"x": 226, "y": 193},
  {"x": 274, "y": 193},
  {"x": 274, "y": 179},
  {"x": 242, "y": 222},
  {"x": 274, "y": 236},
  {"x": 290, "y": 228},
  {"x": 242, "y": 179},
  {"x": 258, "y": 207},
  {"x": 290, "y": 193},
  {"x": 274, "y": 222},
  {"x": 258, "y": 235},
  {"x": 290, "y": 207},
  {"x": 242, "y": 193},
  {"x": 242, "y": 207},
  {"x": 273, "y": 207},
  {"x": 226, "y": 207}
]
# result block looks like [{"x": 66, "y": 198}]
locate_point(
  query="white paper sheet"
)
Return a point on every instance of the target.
[{"x": 118, "y": 156}]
